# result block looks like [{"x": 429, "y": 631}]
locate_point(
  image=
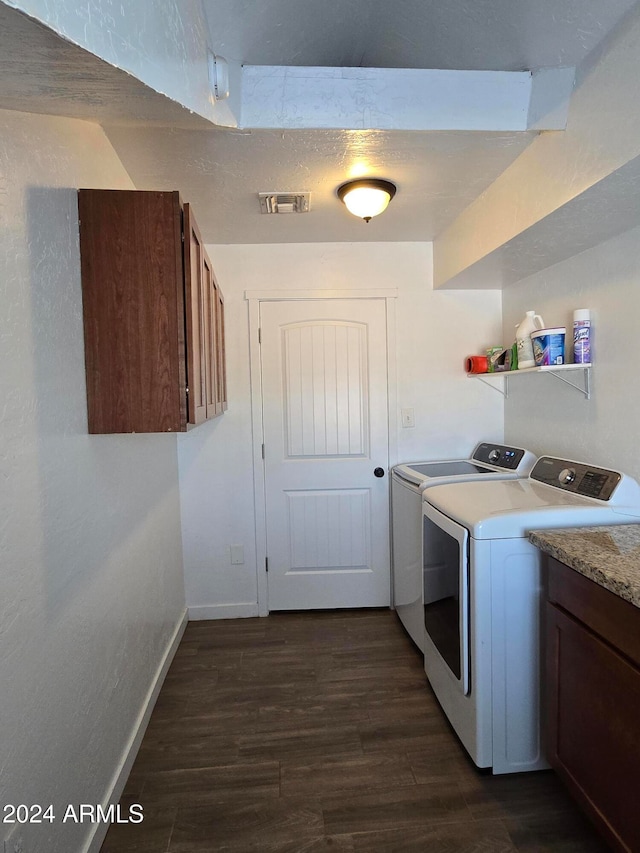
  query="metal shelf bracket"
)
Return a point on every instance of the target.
[
  {"x": 558, "y": 373},
  {"x": 585, "y": 388},
  {"x": 504, "y": 390}
]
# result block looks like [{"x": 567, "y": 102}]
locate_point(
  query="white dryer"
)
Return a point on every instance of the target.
[
  {"x": 482, "y": 595},
  {"x": 408, "y": 482}
]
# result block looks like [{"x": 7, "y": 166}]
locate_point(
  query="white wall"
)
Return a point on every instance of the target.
[
  {"x": 551, "y": 418},
  {"x": 435, "y": 331},
  {"x": 92, "y": 587}
]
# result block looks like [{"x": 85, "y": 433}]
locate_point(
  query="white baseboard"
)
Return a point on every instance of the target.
[
  {"x": 98, "y": 831},
  {"x": 223, "y": 611}
]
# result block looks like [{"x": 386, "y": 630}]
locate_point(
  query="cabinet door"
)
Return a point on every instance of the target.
[
  {"x": 592, "y": 713},
  {"x": 221, "y": 362},
  {"x": 216, "y": 382},
  {"x": 133, "y": 310},
  {"x": 205, "y": 328},
  {"x": 196, "y": 322},
  {"x": 210, "y": 338}
]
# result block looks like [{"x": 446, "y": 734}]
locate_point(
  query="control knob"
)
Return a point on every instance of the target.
[
  {"x": 494, "y": 456},
  {"x": 567, "y": 476}
]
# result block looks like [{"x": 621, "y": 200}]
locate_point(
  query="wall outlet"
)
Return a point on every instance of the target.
[
  {"x": 237, "y": 554},
  {"x": 14, "y": 842}
]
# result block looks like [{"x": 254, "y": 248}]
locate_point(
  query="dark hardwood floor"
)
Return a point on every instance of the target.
[{"x": 308, "y": 732}]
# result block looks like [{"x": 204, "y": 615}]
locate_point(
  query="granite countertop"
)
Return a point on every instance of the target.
[{"x": 610, "y": 556}]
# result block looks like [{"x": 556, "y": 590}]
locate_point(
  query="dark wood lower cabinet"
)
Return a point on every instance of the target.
[{"x": 592, "y": 704}]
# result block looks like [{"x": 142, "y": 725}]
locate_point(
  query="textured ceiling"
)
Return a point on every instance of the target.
[
  {"x": 221, "y": 171},
  {"x": 500, "y": 35},
  {"x": 43, "y": 73},
  {"x": 437, "y": 173}
]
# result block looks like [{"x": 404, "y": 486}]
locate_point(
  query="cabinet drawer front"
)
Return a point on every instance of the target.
[{"x": 613, "y": 618}]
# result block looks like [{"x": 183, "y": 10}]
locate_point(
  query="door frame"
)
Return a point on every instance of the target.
[{"x": 254, "y": 298}]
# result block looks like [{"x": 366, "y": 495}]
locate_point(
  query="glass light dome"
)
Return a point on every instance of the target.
[{"x": 366, "y": 197}]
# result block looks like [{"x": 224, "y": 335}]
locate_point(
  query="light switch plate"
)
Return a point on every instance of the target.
[
  {"x": 408, "y": 418},
  {"x": 237, "y": 555}
]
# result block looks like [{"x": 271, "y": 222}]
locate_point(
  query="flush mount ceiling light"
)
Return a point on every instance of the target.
[{"x": 366, "y": 197}]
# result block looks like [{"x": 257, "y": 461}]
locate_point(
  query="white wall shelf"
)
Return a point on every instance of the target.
[{"x": 557, "y": 370}]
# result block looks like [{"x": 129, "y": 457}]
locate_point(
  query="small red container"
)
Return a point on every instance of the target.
[{"x": 476, "y": 364}]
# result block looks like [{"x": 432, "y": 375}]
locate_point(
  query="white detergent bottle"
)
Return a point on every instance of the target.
[{"x": 531, "y": 323}]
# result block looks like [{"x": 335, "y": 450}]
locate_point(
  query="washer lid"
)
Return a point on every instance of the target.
[
  {"x": 507, "y": 509},
  {"x": 488, "y": 461},
  {"x": 447, "y": 468}
]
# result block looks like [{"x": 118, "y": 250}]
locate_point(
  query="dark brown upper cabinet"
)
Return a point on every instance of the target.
[{"x": 153, "y": 314}]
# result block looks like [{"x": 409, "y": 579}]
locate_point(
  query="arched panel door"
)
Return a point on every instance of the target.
[{"x": 325, "y": 417}]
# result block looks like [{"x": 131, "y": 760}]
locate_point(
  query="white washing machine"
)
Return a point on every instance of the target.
[
  {"x": 482, "y": 603},
  {"x": 408, "y": 482}
]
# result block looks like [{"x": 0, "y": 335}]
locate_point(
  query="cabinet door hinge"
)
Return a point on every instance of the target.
[
  {"x": 259, "y": 336},
  {"x": 266, "y": 564},
  {"x": 263, "y": 451}
]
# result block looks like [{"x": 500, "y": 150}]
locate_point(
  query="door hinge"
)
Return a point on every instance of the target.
[
  {"x": 259, "y": 336},
  {"x": 263, "y": 451},
  {"x": 266, "y": 564}
]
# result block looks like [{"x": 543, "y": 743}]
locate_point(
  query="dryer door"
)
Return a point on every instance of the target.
[{"x": 445, "y": 553}]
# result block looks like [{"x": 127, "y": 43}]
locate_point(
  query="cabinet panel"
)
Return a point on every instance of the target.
[
  {"x": 592, "y": 710},
  {"x": 203, "y": 314},
  {"x": 221, "y": 363},
  {"x": 196, "y": 320},
  {"x": 133, "y": 306},
  {"x": 211, "y": 332}
]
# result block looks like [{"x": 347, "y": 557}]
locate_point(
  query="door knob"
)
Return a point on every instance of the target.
[{"x": 378, "y": 472}]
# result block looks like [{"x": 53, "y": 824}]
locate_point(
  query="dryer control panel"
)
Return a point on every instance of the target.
[
  {"x": 576, "y": 477},
  {"x": 499, "y": 455}
]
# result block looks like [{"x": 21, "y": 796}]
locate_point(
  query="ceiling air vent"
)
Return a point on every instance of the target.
[{"x": 284, "y": 202}]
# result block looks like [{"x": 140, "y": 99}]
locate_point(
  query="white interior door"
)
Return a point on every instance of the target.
[{"x": 325, "y": 421}]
